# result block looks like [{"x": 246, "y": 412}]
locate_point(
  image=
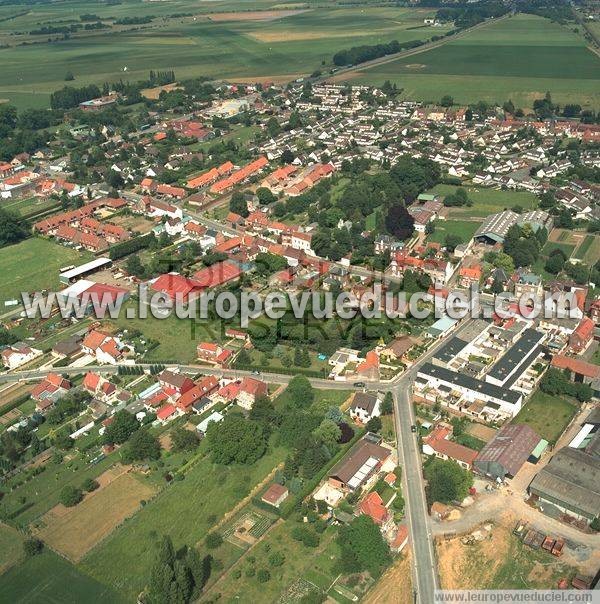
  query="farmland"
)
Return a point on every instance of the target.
[
  {"x": 547, "y": 415},
  {"x": 186, "y": 511},
  {"x": 280, "y": 46},
  {"x": 33, "y": 265},
  {"x": 11, "y": 547},
  {"x": 518, "y": 58},
  {"x": 74, "y": 531},
  {"x": 55, "y": 581}
]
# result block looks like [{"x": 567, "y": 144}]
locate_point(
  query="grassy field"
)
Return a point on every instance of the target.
[
  {"x": 314, "y": 565},
  {"x": 463, "y": 228},
  {"x": 11, "y": 547},
  {"x": 487, "y": 201},
  {"x": 33, "y": 265},
  {"x": 517, "y": 58},
  {"x": 584, "y": 247},
  {"x": 73, "y": 532},
  {"x": 186, "y": 511},
  {"x": 547, "y": 415},
  {"x": 232, "y": 47},
  {"x": 49, "y": 579},
  {"x": 37, "y": 496}
]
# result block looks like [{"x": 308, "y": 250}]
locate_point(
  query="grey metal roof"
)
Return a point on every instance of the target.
[
  {"x": 451, "y": 349},
  {"x": 466, "y": 381},
  {"x": 572, "y": 478}
]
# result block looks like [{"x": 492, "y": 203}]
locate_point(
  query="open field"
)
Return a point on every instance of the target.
[
  {"x": 28, "y": 206},
  {"x": 49, "y": 579},
  {"x": 518, "y": 58},
  {"x": 186, "y": 511},
  {"x": 394, "y": 587},
  {"x": 463, "y": 228},
  {"x": 33, "y": 265},
  {"x": 585, "y": 247},
  {"x": 499, "y": 561},
  {"x": 11, "y": 547},
  {"x": 34, "y": 498},
  {"x": 246, "y": 47},
  {"x": 73, "y": 532},
  {"x": 547, "y": 415},
  {"x": 486, "y": 201}
]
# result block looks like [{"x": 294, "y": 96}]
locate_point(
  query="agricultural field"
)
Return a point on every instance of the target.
[
  {"x": 11, "y": 547},
  {"x": 273, "y": 45},
  {"x": 547, "y": 415},
  {"x": 73, "y": 532},
  {"x": 518, "y": 58},
  {"x": 50, "y": 578},
  {"x": 29, "y": 206},
  {"x": 465, "y": 229},
  {"x": 186, "y": 511},
  {"x": 486, "y": 201},
  {"x": 33, "y": 265}
]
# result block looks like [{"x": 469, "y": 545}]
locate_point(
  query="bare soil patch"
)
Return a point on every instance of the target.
[
  {"x": 481, "y": 432},
  {"x": 395, "y": 586},
  {"x": 154, "y": 93}
]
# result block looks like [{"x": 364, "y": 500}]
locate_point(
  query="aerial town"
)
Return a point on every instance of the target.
[{"x": 286, "y": 460}]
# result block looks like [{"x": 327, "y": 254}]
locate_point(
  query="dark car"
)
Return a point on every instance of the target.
[
  {"x": 413, "y": 428},
  {"x": 359, "y": 384}
]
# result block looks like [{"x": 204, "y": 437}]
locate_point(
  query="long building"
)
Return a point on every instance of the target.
[{"x": 498, "y": 402}]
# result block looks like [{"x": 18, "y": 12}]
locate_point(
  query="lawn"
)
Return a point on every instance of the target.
[
  {"x": 517, "y": 58},
  {"x": 29, "y": 206},
  {"x": 186, "y": 511},
  {"x": 11, "y": 547},
  {"x": 463, "y": 228},
  {"x": 323, "y": 398},
  {"x": 487, "y": 201},
  {"x": 547, "y": 415},
  {"x": 276, "y": 47},
  {"x": 49, "y": 579},
  {"x": 281, "y": 351},
  {"x": 33, "y": 265}
]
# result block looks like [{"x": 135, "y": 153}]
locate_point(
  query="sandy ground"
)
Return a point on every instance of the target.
[{"x": 395, "y": 586}]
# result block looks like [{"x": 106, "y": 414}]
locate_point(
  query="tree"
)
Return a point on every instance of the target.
[
  {"x": 32, "y": 547},
  {"x": 374, "y": 424},
  {"x": 263, "y": 575},
  {"x": 363, "y": 547},
  {"x": 124, "y": 424},
  {"x": 236, "y": 439},
  {"x": 556, "y": 261},
  {"x": 141, "y": 446},
  {"x": 447, "y": 481},
  {"x": 300, "y": 391},
  {"x": 184, "y": 440},
  {"x": 446, "y": 101},
  {"x": 89, "y": 485},
  {"x": 70, "y": 496},
  {"x": 399, "y": 222},
  {"x": 276, "y": 559},
  {"x": 451, "y": 241},
  {"x": 12, "y": 229},
  {"x": 263, "y": 410},
  {"x": 238, "y": 204},
  {"x": 328, "y": 432},
  {"x": 306, "y": 535},
  {"x": 213, "y": 540},
  {"x": 387, "y": 406}
]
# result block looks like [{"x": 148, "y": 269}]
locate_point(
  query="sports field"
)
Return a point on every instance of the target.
[
  {"x": 518, "y": 58},
  {"x": 235, "y": 45},
  {"x": 33, "y": 265},
  {"x": 75, "y": 531}
]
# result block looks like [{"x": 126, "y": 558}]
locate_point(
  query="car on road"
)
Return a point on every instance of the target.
[
  {"x": 359, "y": 384},
  {"x": 413, "y": 428}
]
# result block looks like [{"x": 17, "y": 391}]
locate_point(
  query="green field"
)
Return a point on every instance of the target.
[
  {"x": 547, "y": 415},
  {"x": 186, "y": 511},
  {"x": 518, "y": 58},
  {"x": 237, "y": 47},
  {"x": 33, "y": 265},
  {"x": 463, "y": 228},
  {"x": 584, "y": 247},
  {"x": 11, "y": 547},
  {"x": 49, "y": 579},
  {"x": 487, "y": 201}
]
